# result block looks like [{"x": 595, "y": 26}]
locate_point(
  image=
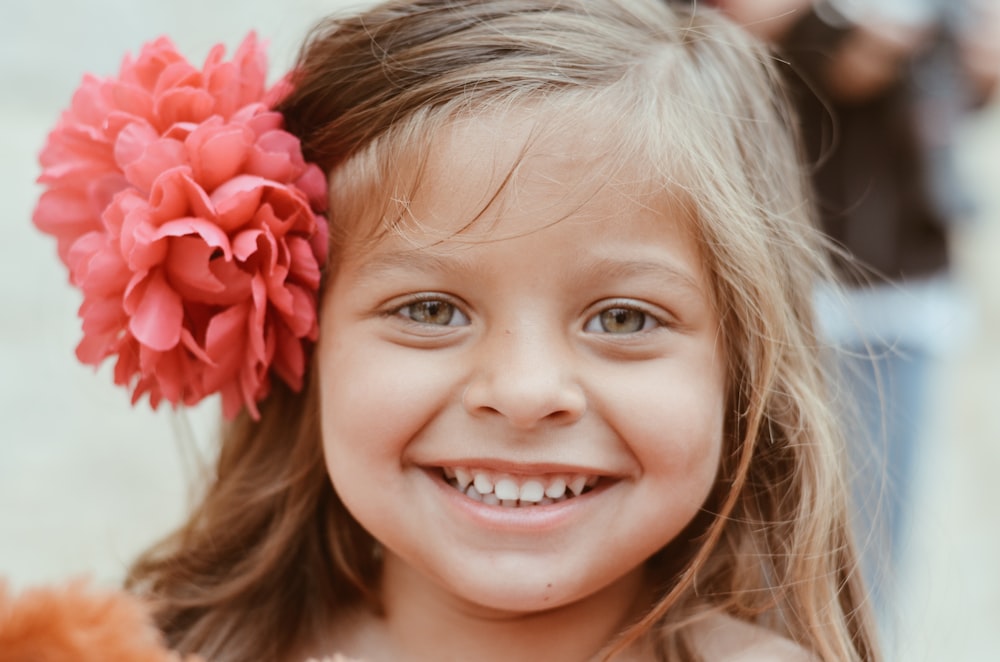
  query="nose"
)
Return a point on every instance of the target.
[{"x": 526, "y": 379}]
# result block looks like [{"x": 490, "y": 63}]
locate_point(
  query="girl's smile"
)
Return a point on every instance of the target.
[
  {"x": 526, "y": 503},
  {"x": 522, "y": 396},
  {"x": 510, "y": 490}
]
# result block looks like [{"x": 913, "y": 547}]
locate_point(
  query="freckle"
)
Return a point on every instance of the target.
[
  {"x": 549, "y": 585},
  {"x": 506, "y": 332}
]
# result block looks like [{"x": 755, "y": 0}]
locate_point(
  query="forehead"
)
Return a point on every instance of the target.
[
  {"x": 538, "y": 166},
  {"x": 510, "y": 194}
]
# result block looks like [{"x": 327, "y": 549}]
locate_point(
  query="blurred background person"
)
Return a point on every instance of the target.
[{"x": 882, "y": 88}]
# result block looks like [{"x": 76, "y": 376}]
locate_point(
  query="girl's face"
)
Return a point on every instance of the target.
[{"x": 524, "y": 411}]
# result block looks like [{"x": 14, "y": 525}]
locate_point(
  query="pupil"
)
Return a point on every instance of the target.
[{"x": 433, "y": 312}]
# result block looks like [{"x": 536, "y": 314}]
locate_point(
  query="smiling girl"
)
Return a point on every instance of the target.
[{"x": 566, "y": 400}]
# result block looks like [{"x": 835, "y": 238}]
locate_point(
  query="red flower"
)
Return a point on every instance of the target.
[{"x": 192, "y": 224}]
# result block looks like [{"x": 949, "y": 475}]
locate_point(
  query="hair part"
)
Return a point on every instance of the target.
[{"x": 271, "y": 556}]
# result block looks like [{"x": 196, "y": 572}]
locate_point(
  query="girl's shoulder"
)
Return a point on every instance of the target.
[{"x": 723, "y": 638}]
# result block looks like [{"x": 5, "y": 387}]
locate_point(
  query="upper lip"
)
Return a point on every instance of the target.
[{"x": 516, "y": 468}]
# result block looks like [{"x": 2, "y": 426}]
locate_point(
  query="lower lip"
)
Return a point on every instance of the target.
[{"x": 505, "y": 518}]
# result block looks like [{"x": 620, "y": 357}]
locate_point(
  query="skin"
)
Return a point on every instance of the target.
[{"x": 567, "y": 330}]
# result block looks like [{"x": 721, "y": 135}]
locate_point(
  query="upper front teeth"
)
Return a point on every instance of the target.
[
  {"x": 484, "y": 484},
  {"x": 507, "y": 489}
]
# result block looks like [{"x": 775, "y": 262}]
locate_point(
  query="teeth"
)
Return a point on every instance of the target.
[
  {"x": 483, "y": 483},
  {"x": 556, "y": 488},
  {"x": 576, "y": 484},
  {"x": 473, "y": 493},
  {"x": 463, "y": 476},
  {"x": 532, "y": 491},
  {"x": 508, "y": 491}
]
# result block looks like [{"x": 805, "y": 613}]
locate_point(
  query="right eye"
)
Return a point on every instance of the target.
[
  {"x": 433, "y": 312},
  {"x": 621, "y": 320}
]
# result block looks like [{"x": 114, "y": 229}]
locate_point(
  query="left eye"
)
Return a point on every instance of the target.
[
  {"x": 435, "y": 312},
  {"x": 621, "y": 320}
]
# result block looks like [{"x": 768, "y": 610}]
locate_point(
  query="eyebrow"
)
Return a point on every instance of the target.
[
  {"x": 596, "y": 268},
  {"x": 417, "y": 260},
  {"x": 641, "y": 267}
]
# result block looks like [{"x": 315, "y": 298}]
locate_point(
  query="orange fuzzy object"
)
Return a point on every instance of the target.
[{"x": 78, "y": 623}]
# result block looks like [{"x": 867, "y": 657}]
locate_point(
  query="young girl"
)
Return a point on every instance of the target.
[{"x": 565, "y": 401}]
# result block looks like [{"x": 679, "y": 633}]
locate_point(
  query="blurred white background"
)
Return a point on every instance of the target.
[{"x": 86, "y": 481}]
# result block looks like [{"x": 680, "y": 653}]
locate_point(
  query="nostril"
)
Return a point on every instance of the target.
[{"x": 525, "y": 403}]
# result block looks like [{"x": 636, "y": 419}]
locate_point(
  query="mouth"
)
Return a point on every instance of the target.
[{"x": 510, "y": 491}]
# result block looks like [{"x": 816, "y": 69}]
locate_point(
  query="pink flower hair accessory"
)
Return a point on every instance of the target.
[{"x": 192, "y": 224}]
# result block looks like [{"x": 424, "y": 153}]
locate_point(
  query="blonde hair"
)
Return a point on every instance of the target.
[{"x": 270, "y": 556}]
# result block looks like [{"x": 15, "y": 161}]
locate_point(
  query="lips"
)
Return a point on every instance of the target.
[{"x": 511, "y": 491}]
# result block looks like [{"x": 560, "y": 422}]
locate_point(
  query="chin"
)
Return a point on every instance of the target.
[
  {"x": 518, "y": 601},
  {"x": 522, "y": 592}
]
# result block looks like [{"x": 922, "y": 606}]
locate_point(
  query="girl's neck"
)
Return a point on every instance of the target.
[{"x": 423, "y": 622}]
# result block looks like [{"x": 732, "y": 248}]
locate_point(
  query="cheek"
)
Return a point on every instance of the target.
[
  {"x": 375, "y": 397},
  {"x": 362, "y": 426},
  {"x": 673, "y": 421}
]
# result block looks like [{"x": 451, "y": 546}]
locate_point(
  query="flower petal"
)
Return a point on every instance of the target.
[
  {"x": 175, "y": 194},
  {"x": 131, "y": 100},
  {"x": 103, "y": 320},
  {"x": 225, "y": 339},
  {"x": 157, "y": 320},
  {"x": 107, "y": 275},
  {"x": 209, "y": 233},
  {"x": 158, "y": 157},
  {"x": 217, "y": 153},
  {"x": 245, "y": 244},
  {"x": 276, "y": 155},
  {"x": 289, "y": 357},
  {"x": 67, "y": 214},
  {"x": 133, "y": 141},
  {"x": 183, "y": 104},
  {"x": 313, "y": 184},
  {"x": 188, "y": 269},
  {"x": 304, "y": 267},
  {"x": 237, "y": 201}
]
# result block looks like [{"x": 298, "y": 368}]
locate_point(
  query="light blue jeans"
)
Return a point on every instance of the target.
[
  {"x": 889, "y": 341},
  {"x": 887, "y": 388}
]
